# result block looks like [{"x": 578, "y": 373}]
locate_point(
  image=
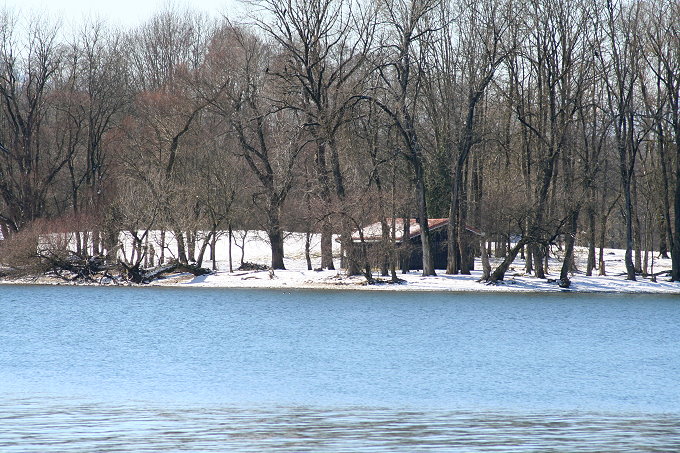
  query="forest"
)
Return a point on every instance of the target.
[{"x": 541, "y": 123}]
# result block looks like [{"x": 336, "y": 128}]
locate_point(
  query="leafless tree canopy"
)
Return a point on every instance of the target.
[{"x": 541, "y": 123}]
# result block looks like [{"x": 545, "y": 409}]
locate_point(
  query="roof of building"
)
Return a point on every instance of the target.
[{"x": 373, "y": 232}]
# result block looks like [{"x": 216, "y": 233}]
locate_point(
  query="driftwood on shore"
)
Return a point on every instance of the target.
[
  {"x": 139, "y": 275},
  {"x": 74, "y": 267}
]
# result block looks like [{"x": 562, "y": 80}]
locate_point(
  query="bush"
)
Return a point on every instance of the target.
[{"x": 19, "y": 253}]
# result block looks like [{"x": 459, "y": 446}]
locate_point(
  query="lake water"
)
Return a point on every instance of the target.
[{"x": 155, "y": 369}]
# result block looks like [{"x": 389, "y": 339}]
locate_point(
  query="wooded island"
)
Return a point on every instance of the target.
[{"x": 529, "y": 124}]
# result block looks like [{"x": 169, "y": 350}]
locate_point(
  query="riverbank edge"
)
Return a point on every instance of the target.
[{"x": 185, "y": 281}]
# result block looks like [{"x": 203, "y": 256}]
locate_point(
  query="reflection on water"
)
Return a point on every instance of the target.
[{"x": 30, "y": 425}]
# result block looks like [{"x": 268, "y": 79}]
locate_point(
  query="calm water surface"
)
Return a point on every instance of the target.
[{"x": 155, "y": 369}]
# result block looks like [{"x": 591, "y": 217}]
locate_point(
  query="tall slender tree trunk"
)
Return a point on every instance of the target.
[
  {"x": 603, "y": 230},
  {"x": 465, "y": 247},
  {"x": 628, "y": 211},
  {"x": 161, "y": 259},
  {"x": 529, "y": 262},
  {"x": 591, "y": 242},
  {"x": 231, "y": 241},
  {"x": 663, "y": 237},
  {"x": 308, "y": 256},
  {"x": 191, "y": 245},
  {"x": 637, "y": 230},
  {"x": 486, "y": 265},
  {"x": 213, "y": 247},
  {"x": 146, "y": 255},
  {"x": 425, "y": 240},
  {"x": 569, "y": 249},
  {"x": 453, "y": 252},
  {"x": 675, "y": 252},
  {"x": 406, "y": 246},
  {"x": 325, "y": 194}
]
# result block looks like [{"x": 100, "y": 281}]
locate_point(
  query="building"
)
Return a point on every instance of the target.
[{"x": 410, "y": 248}]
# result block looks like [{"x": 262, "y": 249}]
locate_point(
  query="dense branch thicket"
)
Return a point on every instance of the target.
[{"x": 542, "y": 123}]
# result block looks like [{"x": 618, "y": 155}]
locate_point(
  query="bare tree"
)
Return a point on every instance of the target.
[
  {"x": 269, "y": 139},
  {"x": 663, "y": 59},
  {"x": 323, "y": 48},
  {"x": 28, "y": 62},
  {"x": 469, "y": 50},
  {"x": 619, "y": 56},
  {"x": 407, "y": 27}
]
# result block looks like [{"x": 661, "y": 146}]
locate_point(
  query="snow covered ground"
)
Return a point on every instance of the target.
[{"x": 296, "y": 275}]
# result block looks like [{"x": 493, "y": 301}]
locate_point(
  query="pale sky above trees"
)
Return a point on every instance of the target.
[{"x": 121, "y": 12}]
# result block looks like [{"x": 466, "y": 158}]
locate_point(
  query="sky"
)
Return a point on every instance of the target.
[{"x": 126, "y": 13}]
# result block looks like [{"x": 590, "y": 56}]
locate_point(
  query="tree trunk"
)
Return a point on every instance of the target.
[
  {"x": 276, "y": 242},
  {"x": 181, "y": 247},
  {"x": 327, "y": 246},
  {"x": 529, "y": 263},
  {"x": 628, "y": 213},
  {"x": 425, "y": 241},
  {"x": 308, "y": 257},
  {"x": 393, "y": 242},
  {"x": 201, "y": 251},
  {"x": 213, "y": 247},
  {"x": 486, "y": 265},
  {"x": 539, "y": 260},
  {"x": 368, "y": 274},
  {"x": 325, "y": 194},
  {"x": 406, "y": 246},
  {"x": 275, "y": 235},
  {"x": 603, "y": 228},
  {"x": 569, "y": 250},
  {"x": 499, "y": 273},
  {"x": 352, "y": 253},
  {"x": 146, "y": 255},
  {"x": 161, "y": 259},
  {"x": 152, "y": 256},
  {"x": 79, "y": 244},
  {"x": 385, "y": 246},
  {"x": 663, "y": 238},
  {"x": 96, "y": 242},
  {"x": 675, "y": 252},
  {"x": 191, "y": 246},
  {"x": 465, "y": 247},
  {"x": 667, "y": 229},
  {"x": 645, "y": 256},
  {"x": 231, "y": 240},
  {"x": 591, "y": 242},
  {"x": 637, "y": 230},
  {"x": 453, "y": 248}
]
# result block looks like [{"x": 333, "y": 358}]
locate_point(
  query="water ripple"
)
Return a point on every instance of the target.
[{"x": 106, "y": 428}]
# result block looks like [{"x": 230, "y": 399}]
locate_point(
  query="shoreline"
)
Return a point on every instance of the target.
[
  {"x": 296, "y": 276},
  {"x": 413, "y": 283}
]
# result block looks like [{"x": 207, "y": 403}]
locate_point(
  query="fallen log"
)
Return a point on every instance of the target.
[
  {"x": 76, "y": 267},
  {"x": 156, "y": 272}
]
